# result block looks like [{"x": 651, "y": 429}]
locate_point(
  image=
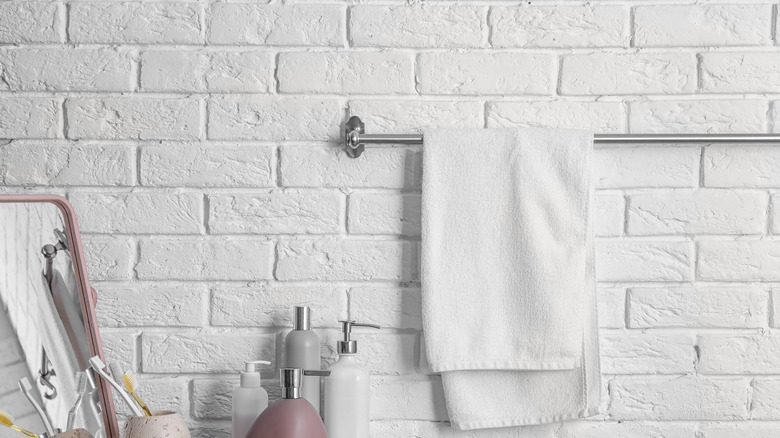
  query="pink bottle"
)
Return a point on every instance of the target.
[{"x": 291, "y": 416}]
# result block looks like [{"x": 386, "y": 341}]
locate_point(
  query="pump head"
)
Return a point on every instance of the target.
[
  {"x": 292, "y": 378},
  {"x": 348, "y": 346},
  {"x": 250, "y": 376},
  {"x": 301, "y": 318}
]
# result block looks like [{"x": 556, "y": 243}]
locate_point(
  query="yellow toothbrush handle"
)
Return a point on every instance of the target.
[
  {"x": 26, "y": 432},
  {"x": 142, "y": 404}
]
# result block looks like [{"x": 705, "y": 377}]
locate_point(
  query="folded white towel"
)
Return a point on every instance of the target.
[{"x": 507, "y": 257}]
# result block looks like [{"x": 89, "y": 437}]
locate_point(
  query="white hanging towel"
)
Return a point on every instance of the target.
[{"x": 509, "y": 308}]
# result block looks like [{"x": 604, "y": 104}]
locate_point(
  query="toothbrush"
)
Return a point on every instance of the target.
[
  {"x": 8, "y": 421},
  {"x": 118, "y": 375},
  {"x": 129, "y": 380},
  {"x": 24, "y": 385},
  {"x": 99, "y": 368},
  {"x": 95, "y": 414},
  {"x": 81, "y": 390}
]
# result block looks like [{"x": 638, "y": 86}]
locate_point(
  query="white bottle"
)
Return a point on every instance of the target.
[
  {"x": 347, "y": 391},
  {"x": 249, "y": 399},
  {"x": 302, "y": 350}
]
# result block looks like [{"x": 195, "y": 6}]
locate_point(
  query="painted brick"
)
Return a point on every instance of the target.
[
  {"x": 698, "y": 116},
  {"x": 30, "y": 117},
  {"x": 647, "y": 353},
  {"x": 109, "y": 258},
  {"x": 273, "y": 118},
  {"x": 143, "y": 213},
  {"x": 741, "y": 166},
  {"x": 775, "y": 115},
  {"x": 135, "y": 22},
  {"x": 271, "y": 306},
  {"x": 198, "y": 352},
  {"x": 105, "y": 69},
  {"x": 417, "y": 26},
  {"x": 213, "y": 398},
  {"x": 643, "y": 429},
  {"x": 133, "y": 118},
  {"x": 611, "y": 307},
  {"x": 775, "y": 309},
  {"x": 386, "y": 354},
  {"x": 740, "y": 72},
  {"x": 687, "y": 306},
  {"x": 175, "y": 305},
  {"x": 622, "y": 167},
  {"x": 629, "y": 260},
  {"x": 559, "y": 26},
  {"x": 632, "y": 73},
  {"x": 391, "y": 168},
  {"x": 387, "y": 307},
  {"x": 738, "y": 261},
  {"x": 739, "y": 354},
  {"x": 222, "y": 258},
  {"x": 314, "y": 25},
  {"x": 331, "y": 259},
  {"x": 722, "y": 429},
  {"x": 210, "y": 428},
  {"x": 213, "y": 71},
  {"x": 31, "y": 22},
  {"x": 384, "y": 214},
  {"x": 212, "y": 165},
  {"x": 596, "y": 116},
  {"x": 702, "y": 25},
  {"x": 485, "y": 73},
  {"x": 608, "y": 215},
  {"x": 63, "y": 164},
  {"x": 679, "y": 398},
  {"x": 352, "y": 72},
  {"x": 408, "y": 399},
  {"x": 704, "y": 211},
  {"x": 415, "y": 115},
  {"x": 765, "y": 402},
  {"x": 307, "y": 212},
  {"x": 120, "y": 346}
]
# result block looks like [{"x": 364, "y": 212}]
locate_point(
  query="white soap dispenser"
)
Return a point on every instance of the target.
[
  {"x": 302, "y": 350},
  {"x": 347, "y": 390},
  {"x": 249, "y": 399}
]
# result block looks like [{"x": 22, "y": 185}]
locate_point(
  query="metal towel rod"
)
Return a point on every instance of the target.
[{"x": 356, "y": 138}]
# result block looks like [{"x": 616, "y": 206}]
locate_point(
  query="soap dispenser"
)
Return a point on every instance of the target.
[
  {"x": 347, "y": 390},
  {"x": 291, "y": 416},
  {"x": 302, "y": 350},
  {"x": 249, "y": 399}
]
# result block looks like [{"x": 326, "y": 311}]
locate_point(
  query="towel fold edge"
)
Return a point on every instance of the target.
[
  {"x": 515, "y": 422},
  {"x": 522, "y": 365}
]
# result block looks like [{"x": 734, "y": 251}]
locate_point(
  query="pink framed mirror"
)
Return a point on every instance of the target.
[{"x": 48, "y": 326}]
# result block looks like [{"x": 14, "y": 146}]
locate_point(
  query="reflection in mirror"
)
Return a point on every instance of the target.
[{"x": 42, "y": 333}]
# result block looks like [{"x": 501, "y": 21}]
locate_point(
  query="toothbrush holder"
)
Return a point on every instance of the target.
[
  {"x": 75, "y": 433},
  {"x": 163, "y": 424}
]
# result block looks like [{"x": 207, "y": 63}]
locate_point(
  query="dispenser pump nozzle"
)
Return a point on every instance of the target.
[
  {"x": 348, "y": 346},
  {"x": 291, "y": 379},
  {"x": 250, "y": 376}
]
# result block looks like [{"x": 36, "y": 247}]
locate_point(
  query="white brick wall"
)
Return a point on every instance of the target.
[{"x": 199, "y": 143}]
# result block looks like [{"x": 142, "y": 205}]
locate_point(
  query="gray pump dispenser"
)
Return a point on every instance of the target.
[{"x": 348, "y": 346}]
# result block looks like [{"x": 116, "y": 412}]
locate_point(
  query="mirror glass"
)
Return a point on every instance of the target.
[{"x": 43, "y": 337}]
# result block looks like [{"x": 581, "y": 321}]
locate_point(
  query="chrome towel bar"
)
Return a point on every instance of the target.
[{"x": 356, "y": 138}]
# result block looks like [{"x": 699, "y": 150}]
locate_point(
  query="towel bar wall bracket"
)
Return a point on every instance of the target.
[{"x": 356, "y": 138}]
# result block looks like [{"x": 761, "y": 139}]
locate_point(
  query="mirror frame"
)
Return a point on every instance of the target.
[{"x": 87, "y": 294}]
